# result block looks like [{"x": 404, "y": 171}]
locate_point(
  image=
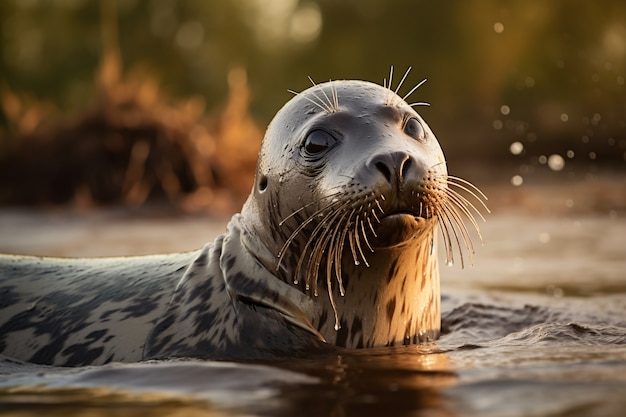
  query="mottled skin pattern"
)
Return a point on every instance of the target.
[
  {"x": 80, "y": 312},
  {"x": 349, "y": 156},
  {"x": 74, "y": 312}
]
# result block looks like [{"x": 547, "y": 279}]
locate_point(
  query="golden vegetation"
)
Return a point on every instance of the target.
[{"x": 132, "y": 145}]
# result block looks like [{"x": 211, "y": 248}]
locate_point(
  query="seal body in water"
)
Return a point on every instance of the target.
[{"x": 336, "y": 245}]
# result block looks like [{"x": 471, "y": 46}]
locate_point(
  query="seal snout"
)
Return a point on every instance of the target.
[{"x": 396, "y": 168}]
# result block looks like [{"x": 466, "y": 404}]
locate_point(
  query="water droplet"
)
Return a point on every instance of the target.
[
  {"x": 517, "y": 180},
  {"x": 497, "y": 124},
  {"x": 498, "y": 27},
  {"x": 564, "y": 117},
  {"x": 504, "y": 109},
  {"x": 596, "y": 118},
  {"x": 556, "y": 162},
  {"x": 592, "y": 155},
  {"x": 357, "y": 263},
  {"x": 516, "y": 148},
  {"x": 449, "y": 262},
  {"x": 569, "y": 203},
  {"x": 554, "y": 291},
  {"x": 337, "y": 326},
  {"x": 570, "y": 154}
]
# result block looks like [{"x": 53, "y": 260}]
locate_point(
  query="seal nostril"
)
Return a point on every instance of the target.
[
  {"x": 405, "y": 165},
  {"x": 384, "y": 169}
]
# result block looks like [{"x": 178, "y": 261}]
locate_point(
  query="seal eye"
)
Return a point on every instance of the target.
[
  {"x": 318, "y": 141},
  {"x": 414, "y": 128}
]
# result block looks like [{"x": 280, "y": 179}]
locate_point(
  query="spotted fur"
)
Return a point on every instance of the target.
[{"x": 208, "y": 304}]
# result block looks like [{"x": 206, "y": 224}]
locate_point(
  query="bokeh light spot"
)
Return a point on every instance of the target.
[
  {"x": 556, "y": 162},
  {"x": 516, "y": 148}
]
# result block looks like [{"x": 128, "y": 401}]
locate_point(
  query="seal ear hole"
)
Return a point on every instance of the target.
[{"x": 262, "y": 183}]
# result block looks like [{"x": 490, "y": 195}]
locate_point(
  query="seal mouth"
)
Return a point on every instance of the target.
[{"x": 400, "y": 228}]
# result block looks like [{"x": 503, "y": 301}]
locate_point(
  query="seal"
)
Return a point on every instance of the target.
[{"x": 335, "y": 245}]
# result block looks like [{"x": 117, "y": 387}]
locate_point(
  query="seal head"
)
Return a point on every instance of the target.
[{"x": 350, "y": 186}]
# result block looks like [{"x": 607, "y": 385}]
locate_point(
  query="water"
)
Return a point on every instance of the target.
[{"x": 537, "y": 327}]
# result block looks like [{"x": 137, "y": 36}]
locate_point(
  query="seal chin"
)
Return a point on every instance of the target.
[{"x": 400, "y": 229}]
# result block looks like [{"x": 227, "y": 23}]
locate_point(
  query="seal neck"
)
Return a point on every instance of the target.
[
  {"x": 260, "y": 285},
  {"x": 393, "y": 301}
]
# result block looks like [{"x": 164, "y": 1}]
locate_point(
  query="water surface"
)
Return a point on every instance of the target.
[{"x": 536, "y": 327}]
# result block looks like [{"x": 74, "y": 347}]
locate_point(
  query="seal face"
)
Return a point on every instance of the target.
[
  {"x": 336, "y": 245},
  {"x": 350, "y": 187}
]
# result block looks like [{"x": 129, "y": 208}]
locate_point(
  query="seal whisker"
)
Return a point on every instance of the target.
[
  {"x": 407, "y": 95},
  {"x": 382, "y": 212},
  {"x": 330, "y": 103},
  {"x": 293, "y": 235},
  {"x": 420, "y": 103},
  {"x": 402, "y": 80},
  {"x": 389, "y": 91},
  {"x": 462, "y": 199},
  {"x": 339, "y": 251},
  {"x": 451, "y": 222},
  {"x": 454, "y": 207},
  {"x": 311, "y": 271},
  {"x": 458, "y": 202},
  {"x": 375, "y": 216},
  {"x": 338, "y": 193},
  {"x": 334, "y": 257},
  {"x": 358, "y": 241},
  {"x": 447, "y": 241},
  {"x": 311, "y": 218},
  {"x": 351, "y": 240},
  {"x": 321, "y": 106},
  {"x": 318, "y": 252},
  {"x": 325, "y": 223},
  {"x": 365, "y": 235},
  {"x": 331, "y": 297},
  {"x": 471, "y": 188},
  {"x": 457, "y": 224},
  {"x": 369, "y": 222},
  {"x": 306, "y": 222},
  {"x": 333, "y": 89}
]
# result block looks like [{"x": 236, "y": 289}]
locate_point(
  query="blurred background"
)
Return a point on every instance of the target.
[{"x": 137, "y": 101}]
